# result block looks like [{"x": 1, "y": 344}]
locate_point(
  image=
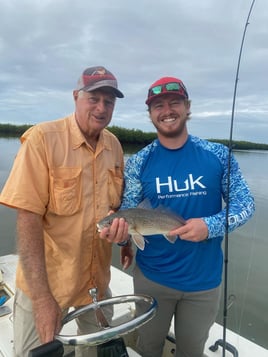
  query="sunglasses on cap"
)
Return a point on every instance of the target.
[{"x": 168, "y": 87}]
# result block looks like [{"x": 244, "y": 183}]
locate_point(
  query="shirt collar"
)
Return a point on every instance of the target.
[{"x": 78, "y": 138}]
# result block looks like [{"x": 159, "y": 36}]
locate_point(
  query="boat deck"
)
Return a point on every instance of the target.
[{"x": 121, "y": 284}]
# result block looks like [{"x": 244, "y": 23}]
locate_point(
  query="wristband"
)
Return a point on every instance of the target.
[{"x": 125, "y": 242}]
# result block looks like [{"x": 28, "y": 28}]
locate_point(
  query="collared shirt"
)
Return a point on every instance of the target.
[{"x": 58, "y": 176}]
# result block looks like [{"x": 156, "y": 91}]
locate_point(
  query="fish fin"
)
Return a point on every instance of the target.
[
  {"x": 145, "y": 204},
  {"x": 138, "y": 239},
  {"x": 171, "y": 239}
]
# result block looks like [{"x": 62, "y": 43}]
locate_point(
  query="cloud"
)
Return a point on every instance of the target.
[{"x": 44, "y": 46}]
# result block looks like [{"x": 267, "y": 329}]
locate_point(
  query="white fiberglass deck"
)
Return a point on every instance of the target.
[{"x": 121, "y": 284}]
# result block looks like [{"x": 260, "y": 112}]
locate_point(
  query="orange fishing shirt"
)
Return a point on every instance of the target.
[{"x": 57, "y": 175}]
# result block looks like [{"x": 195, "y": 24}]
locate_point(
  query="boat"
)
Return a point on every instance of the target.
[{"x": 122, "y": 290}]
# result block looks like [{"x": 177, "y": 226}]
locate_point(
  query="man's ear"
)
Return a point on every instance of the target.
[{"x": 75, "y": 95}]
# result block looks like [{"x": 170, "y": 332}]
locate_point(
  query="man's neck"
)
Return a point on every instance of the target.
[{"x": 175, "y": 142}]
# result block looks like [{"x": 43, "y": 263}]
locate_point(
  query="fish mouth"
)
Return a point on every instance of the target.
[{"x": 100, "y": 227}]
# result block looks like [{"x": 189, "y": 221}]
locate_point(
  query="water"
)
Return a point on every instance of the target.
[{"x": 248, "y": 247}]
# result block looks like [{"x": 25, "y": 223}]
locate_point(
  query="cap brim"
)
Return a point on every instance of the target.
[
  {"x": 98, "y": 85},
  {"x": 153, "y": 97}
]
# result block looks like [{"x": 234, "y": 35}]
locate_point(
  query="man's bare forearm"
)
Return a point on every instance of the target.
[{"x": 31, "y": 252}]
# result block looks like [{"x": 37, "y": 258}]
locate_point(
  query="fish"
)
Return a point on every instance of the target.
[{"x": 143, "y": 221}]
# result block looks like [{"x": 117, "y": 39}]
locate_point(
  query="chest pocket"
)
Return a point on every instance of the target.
[
  {"x": 65, "y": 190},
  {"x": 115, "y": 188}
]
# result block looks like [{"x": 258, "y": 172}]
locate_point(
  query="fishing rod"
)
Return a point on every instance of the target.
[
  {"x": 222, "y": 342},
  {"x": 226, "y": 248}
]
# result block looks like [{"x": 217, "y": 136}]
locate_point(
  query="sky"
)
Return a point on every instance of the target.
[{"x": 46, "y": 44}]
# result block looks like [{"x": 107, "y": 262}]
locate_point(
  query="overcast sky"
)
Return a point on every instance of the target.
[{"x": 46, "y": 44}]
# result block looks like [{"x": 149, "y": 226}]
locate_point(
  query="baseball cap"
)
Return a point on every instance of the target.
[
  {"x": 166, "y": 85},
  {"x": 97, "y": 77}
]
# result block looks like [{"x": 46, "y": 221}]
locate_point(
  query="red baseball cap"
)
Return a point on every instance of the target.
[
  {"x": 166, "y": 85},
  {"x": 93, "y": 78}
]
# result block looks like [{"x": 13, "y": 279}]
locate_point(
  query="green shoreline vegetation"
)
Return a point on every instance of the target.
[{"x": 131, "y": 137}]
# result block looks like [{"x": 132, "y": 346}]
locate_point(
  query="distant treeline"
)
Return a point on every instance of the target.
[
  {"x": 135, "y": 137},
  {"x": 9, "y": 130},
  {"x": 140, "y": 138}
]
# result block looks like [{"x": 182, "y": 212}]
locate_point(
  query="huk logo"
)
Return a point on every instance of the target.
[{"x": 190, "y": 184}]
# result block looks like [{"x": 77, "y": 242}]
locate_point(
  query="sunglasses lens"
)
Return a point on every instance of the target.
[
  {"x": 172, "y": 86},
  {"x": 156, "y": 90},
  {"x": 168, "y": 87}
]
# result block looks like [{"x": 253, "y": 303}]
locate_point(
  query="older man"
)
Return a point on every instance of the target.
[{"x": 67, "y": 175}]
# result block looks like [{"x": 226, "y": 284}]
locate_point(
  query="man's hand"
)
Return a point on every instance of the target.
[
  {"x": 127, "y": 255},
  {"x": 47, "y": 315},
  {"x": 195, "y": 230},
  {"x": 117, "y": 232}
]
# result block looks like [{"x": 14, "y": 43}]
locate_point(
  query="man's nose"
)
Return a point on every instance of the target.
[
  {"x": 101, "y": 107},
  {"x": 166, "y": 107}
]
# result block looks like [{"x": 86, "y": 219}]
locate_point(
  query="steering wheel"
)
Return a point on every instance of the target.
[{"x": 108, "y": 331}]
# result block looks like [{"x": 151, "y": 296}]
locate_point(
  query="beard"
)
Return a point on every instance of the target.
[{"x": 171, "y": 130}]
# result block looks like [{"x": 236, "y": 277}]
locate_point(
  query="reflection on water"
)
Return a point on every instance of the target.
[{"x": 248, "y": 247}]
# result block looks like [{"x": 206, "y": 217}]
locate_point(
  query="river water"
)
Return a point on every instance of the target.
[{"x": 248, "y": 247}]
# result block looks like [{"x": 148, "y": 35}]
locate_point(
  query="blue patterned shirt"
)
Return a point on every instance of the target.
[{"x": 192, "y": 181}]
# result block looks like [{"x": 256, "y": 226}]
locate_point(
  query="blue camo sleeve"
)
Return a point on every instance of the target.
[
  {"x": 241, "y": 201},
  {"x": 133, "y": 189},
  {"x": 133, "y": 194}
]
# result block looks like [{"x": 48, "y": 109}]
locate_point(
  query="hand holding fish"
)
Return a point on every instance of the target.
[
  {"x": 117, "y": 232},
  {"x": 194, "y": 230}
]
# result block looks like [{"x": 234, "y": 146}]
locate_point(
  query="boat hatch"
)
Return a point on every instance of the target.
[{"x": 4, "y": 297}]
